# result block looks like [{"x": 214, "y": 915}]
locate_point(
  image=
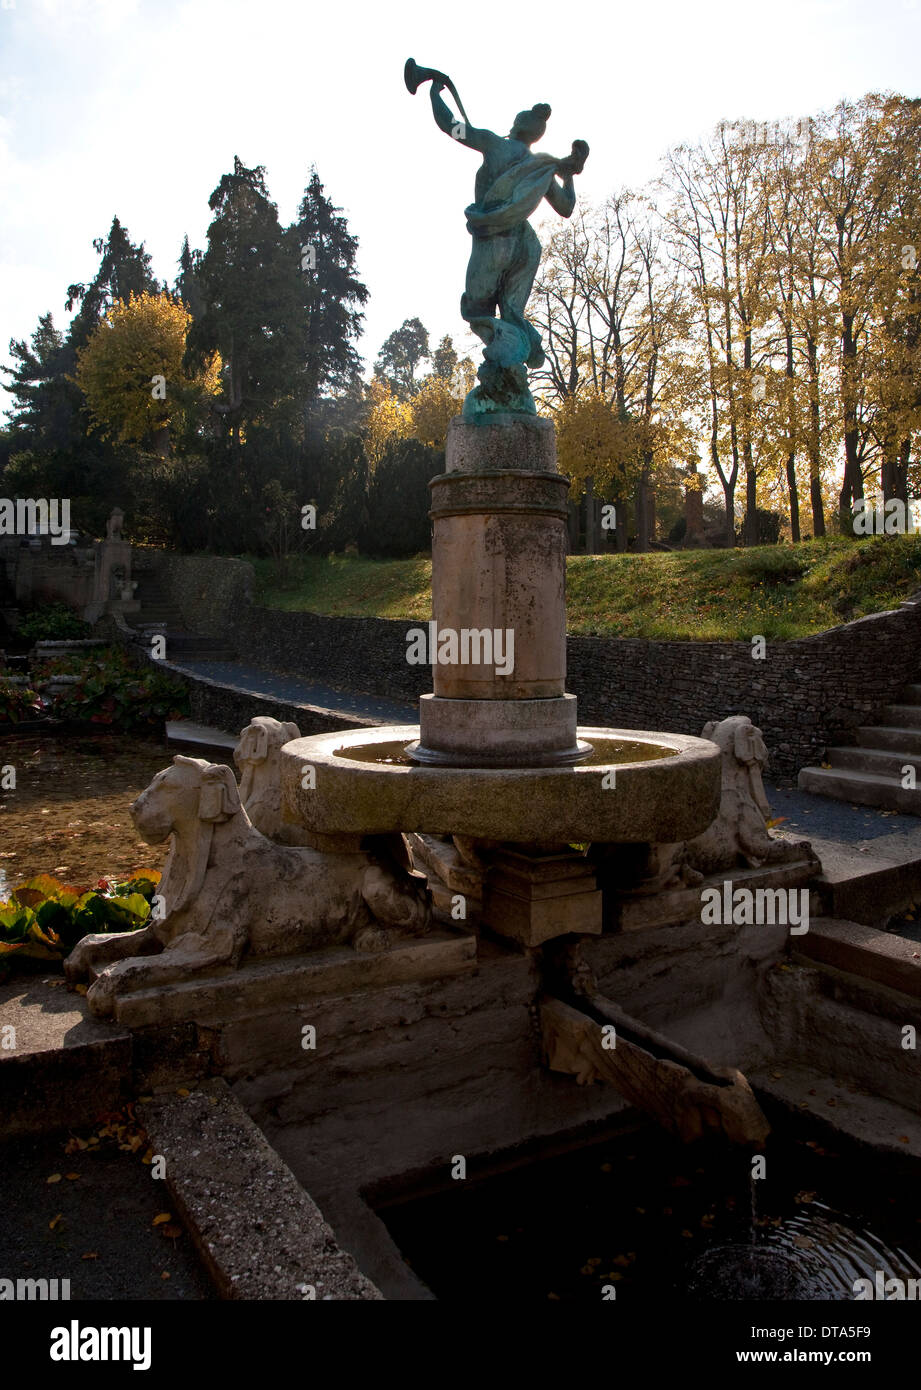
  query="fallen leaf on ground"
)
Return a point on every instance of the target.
[
  {"x": 55, "y": 1177},
  {"x": 52, "y": 1224},
  {"x": 163, "y": 1216}
]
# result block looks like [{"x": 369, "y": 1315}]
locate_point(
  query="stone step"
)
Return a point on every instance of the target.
[
  {"x": 872, "y": 885},
  {"x": 905, "y": 716},
  {"x": 156, "y": 601},
  {"x": 884, "y": 761},
  {"x": 864, "y": 788},
  {"x": 898, "y": 740},
  {"x": 188, "y": 732},
  {"x": 867, "y": 1118},
  {"x": 64, "y": 1067}
]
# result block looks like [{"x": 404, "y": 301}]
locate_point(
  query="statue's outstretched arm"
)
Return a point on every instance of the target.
[
  {"x": 455, "y": 126},
  {"x": 562, "y": 196}
]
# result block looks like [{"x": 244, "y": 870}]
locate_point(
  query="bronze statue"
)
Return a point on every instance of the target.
[{"x": 510, "y": 184}]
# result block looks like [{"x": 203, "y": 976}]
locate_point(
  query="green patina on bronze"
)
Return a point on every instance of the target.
[{"x": 510, "y": 185}]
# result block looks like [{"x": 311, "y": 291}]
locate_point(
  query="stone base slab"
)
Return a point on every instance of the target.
[
  {"x": 893, "y": 961},
  {"x": 672, "y": 906},
  {"x": 263, "y": 986}
]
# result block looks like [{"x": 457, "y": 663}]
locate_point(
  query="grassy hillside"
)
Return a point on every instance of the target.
[{"x": 777, "y": 591}]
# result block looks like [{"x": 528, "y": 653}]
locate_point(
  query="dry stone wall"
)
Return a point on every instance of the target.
[{"x": 804, "y": 694}]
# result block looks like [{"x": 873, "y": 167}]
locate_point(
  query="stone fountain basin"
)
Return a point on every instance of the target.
[{"x": 660, "y": 800}]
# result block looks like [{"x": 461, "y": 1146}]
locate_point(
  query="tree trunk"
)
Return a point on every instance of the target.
[
  {"x": 901, "y": 478},
  {"x": 642, "y": 514},
  {"x": 161, "y": 442},
  {"x": 794, "y": 496},
  {"x": 791, "y": 430},
  {"x": 816, "y": 502},
  {"x": 620, "y": 526},
  {"x": 852, "y": 483},
  {"x": 750, "y": 524},
  {"x": 729, "y": 490}
]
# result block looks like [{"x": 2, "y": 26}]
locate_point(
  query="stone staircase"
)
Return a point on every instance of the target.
[
  {"x": 159, "y": 614},
  {"x": 156, "y": 606},
  {"x": 871, "y": 771}
]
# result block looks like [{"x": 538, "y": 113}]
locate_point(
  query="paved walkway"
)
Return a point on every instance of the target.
[
  {"x": 887, "y": 833},
  {"x": 296, "y": 691},
  {"x": 884, "y": 834}
]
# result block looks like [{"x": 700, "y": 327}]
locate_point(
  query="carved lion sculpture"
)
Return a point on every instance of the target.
[
  {"x": 258, "y": 756},
  {"x": 227, "y": 890},
  {"x": 739, "y": 834}
]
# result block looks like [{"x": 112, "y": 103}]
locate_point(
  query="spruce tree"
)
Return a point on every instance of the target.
[{"x": 331, "y": 296}]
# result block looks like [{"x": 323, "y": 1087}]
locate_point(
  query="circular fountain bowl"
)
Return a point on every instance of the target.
[{"x": 637, "y": 787}]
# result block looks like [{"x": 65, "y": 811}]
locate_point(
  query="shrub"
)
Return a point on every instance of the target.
[
  {"x": 44, "y": 919},
  {"x": 17, "y": 703},
  {"x": 111, "y": 691},
  {"x": 52, "y": 622}
]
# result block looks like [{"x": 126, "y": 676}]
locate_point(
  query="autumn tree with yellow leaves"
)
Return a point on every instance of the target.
[{"x": 131, "y": 372}]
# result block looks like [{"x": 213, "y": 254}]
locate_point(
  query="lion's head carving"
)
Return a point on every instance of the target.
[
  {"x": 258, "y": 756},
  {"x": 185, "y": 800},
  {"x": 744, "y": 756}
]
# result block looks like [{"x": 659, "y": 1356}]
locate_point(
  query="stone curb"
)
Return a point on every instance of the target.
[{"x": 258, "y": 1233}]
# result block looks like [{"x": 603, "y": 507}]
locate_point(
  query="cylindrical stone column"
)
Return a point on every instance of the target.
[{"x": 498, "y": 636}]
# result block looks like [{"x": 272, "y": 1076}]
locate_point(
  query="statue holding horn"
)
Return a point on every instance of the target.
[{"x": 510, "y": 184}]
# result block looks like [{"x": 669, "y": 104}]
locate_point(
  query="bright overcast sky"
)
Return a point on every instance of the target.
[{"x": 137, "y": 107}]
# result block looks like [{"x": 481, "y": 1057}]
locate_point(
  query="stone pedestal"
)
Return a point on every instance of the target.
[
  {"x": 532, "y": 897},
  {"x": 499, "y": 585},
  {"x": 112, "y": 577}
]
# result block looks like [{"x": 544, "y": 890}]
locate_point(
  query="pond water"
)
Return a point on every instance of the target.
[
  {"x": 651, "y": 1219},
  {"x": 67, "y": 814}
]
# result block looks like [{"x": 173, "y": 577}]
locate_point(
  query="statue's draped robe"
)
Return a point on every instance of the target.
[{"x": 513, "y": 196}]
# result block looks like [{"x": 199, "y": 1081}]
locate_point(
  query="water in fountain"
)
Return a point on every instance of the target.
[
  {"x": 605, "y": 751},
  {"x": 815, "y": 1254},
  {"x": 661, "y": 1220}
]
